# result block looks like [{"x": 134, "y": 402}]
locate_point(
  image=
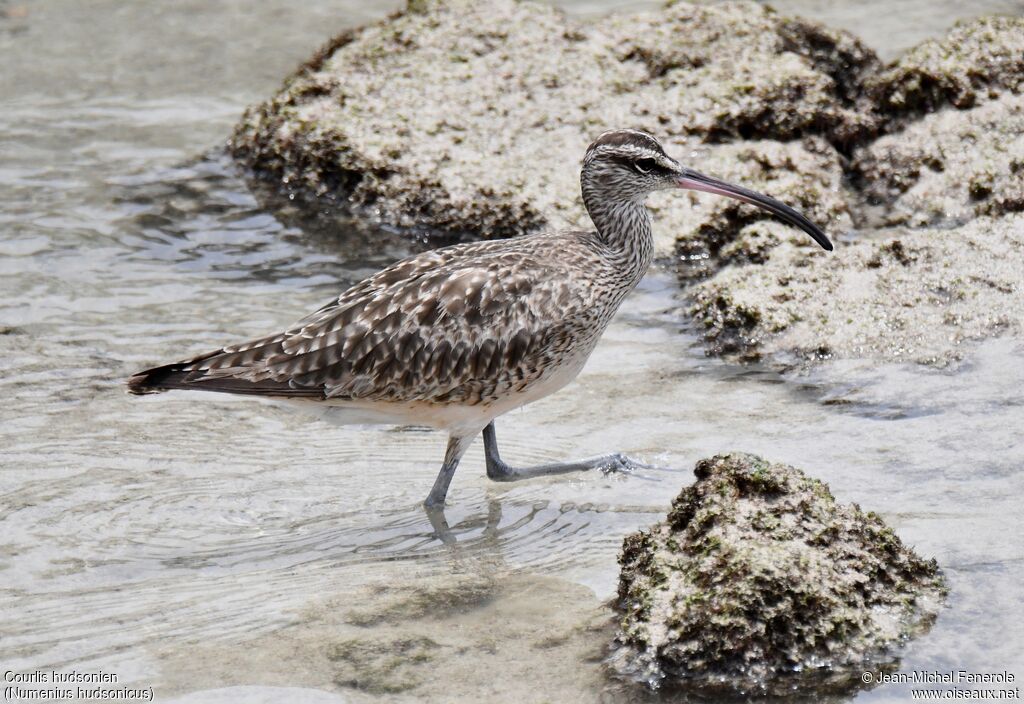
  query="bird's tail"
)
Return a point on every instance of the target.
[
  {"x": 157, "y": 379},
  {"x": 177, "y": 375},
  {"x": 186, "y": 376}
]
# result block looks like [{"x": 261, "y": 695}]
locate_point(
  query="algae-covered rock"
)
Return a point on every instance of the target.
[
  {"x": 758, "y": 577},
  {"x": 914, "y": 297},
  {"x": 470, "y": 118},
  {"x": 954, "y": 111},
  {"x": 950, "y": 165},
  {"x": 737, "y": 70},
  {"x": 977, "y": 59}
]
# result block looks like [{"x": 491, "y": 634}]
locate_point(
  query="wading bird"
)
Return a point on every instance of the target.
[{"x": 455, "y": 337}]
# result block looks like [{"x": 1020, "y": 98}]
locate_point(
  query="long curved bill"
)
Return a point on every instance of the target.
[{"x": 695, "y": 181}]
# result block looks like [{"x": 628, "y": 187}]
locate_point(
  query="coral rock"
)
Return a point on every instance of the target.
[{"x": 758, "y": 576}]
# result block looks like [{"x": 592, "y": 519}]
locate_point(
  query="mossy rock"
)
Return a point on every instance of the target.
[
  {"x": 975, "y": 59},
  {"x": 468, "y": 118},
  {"x": 914, "y": 298},
  {"x": 949, "y": 166},
  {"x": 758, "y": 577}
]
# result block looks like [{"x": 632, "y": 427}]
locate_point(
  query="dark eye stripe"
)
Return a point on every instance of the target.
[
  {"x": 645, "y": 166},
  {"x": 648, "y": 164}
]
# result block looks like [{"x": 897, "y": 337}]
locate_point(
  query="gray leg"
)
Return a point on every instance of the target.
[
  {"x": 501, "y": 472},
  {"x": 457, "y": 447}
]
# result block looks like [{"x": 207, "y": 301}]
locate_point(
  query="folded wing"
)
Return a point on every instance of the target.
[{"x": 450, "y": 325}]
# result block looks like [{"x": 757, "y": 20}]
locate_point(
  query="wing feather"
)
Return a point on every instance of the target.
[{"x": 451, "y": 324}]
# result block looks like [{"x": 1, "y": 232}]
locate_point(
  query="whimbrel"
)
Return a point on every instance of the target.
[{"x": 455, "y": 337}]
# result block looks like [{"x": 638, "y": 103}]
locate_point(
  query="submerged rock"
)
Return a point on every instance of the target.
[
  {"x": 916, "y": 297},
  {"x": 758, "y": 577},
  {"x": 950, "y": 165},
  {"x": 442, "y": 637},
  {"x": 469, "y": 118}
]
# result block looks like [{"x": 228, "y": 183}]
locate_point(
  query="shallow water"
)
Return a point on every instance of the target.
[{"x": 192, "y": 544}]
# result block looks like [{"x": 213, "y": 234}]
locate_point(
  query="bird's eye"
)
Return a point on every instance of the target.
[{"x": 644, "y": 166}]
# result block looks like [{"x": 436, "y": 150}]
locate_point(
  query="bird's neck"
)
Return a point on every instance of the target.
[{"x": 624, "y": 226}]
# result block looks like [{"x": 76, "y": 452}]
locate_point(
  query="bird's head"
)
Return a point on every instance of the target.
[{"x": 628, "y": 165}]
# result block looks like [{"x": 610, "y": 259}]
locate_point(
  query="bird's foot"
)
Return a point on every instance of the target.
[
  {"x": 616, "y": 463},
  {"x": 619, "y": 462}
]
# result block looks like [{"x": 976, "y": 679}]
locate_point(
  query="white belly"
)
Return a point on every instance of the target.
[{"x": 461, "y": 419}]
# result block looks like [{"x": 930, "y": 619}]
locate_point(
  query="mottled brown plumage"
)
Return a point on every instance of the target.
[
  {"x": 465, "y": 324},
  {"x": 454, "y": 337}
]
